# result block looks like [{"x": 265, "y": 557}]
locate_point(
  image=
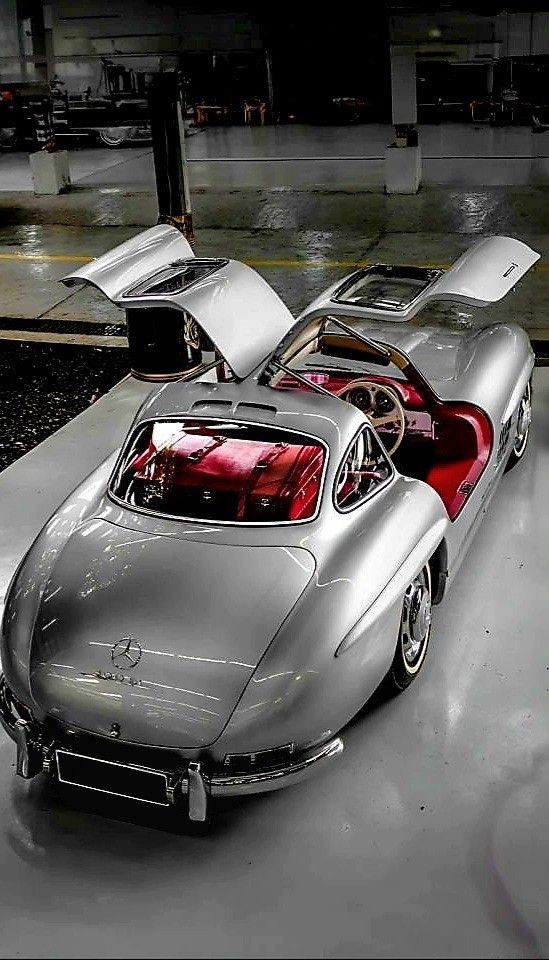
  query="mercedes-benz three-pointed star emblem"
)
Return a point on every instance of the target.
[{"x": 126, "y": 654}]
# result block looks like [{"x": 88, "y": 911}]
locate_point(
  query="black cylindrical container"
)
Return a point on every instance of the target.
[{"x": 164, "y": 343}]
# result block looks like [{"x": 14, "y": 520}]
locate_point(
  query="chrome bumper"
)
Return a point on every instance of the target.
[
  {"x": 195, "y": 782},
  {"x": 263, "y": 781},
  {"x": 199, "y": 786}
]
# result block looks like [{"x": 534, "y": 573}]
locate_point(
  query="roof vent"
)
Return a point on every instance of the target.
[
  {"x": 247, "y": 408},
  {"x": 383, "y": 287},
  {"x": 175, "y": 278},
  {"x": 212, "y": 404}
]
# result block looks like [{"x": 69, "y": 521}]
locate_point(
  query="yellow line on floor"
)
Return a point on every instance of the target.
[
  {"x": 48, "y": 257},
  {"x": 354, "y": 264},
  {"x": 74, "y": 339},
  {"x": 266, "y": 263},
  {"x": 288, "y": 264}
]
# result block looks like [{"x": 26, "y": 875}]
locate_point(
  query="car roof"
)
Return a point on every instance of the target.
[{"x": 331, "y": 420}]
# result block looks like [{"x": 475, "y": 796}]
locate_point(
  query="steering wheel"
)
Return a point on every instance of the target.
[{"x": 382, "y": 407}]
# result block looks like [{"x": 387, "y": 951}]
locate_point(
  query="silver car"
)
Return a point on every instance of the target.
[{"x": 209, "y": 609}]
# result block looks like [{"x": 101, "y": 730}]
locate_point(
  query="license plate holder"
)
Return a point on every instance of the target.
[{"x": 116, "y": 779}]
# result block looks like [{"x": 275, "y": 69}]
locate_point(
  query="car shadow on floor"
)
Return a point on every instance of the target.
[{"x": 46, "y": 817}]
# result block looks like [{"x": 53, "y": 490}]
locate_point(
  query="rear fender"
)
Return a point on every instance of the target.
[
  {"x": 30, "y": 581},
  {"x": 338, "y": 643},
  {"x": 412, "y": 566}
]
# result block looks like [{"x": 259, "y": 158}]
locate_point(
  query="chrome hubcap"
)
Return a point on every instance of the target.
[
  {"x": 416, "y": 620},
  {"x": 523, "y": 422}
]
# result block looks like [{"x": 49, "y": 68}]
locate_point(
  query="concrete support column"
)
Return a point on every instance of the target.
[
  {"x": 38, "y": 39},
  {"x": 403, "y": 85},
  {"x": 403, "y": 156}
]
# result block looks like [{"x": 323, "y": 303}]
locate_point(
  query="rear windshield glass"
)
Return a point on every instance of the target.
[{"x": 223, "y": 471}]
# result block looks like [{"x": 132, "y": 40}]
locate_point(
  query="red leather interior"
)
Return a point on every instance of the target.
[
  {"x": 334, "y": 382},
  {"x": 254, "y": 477},
  {"x": 450, "y": 455},
  {"x": 462, "y": 449}
]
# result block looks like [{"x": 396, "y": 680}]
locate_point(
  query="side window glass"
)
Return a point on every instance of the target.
[{"x": 365, "y": 467}]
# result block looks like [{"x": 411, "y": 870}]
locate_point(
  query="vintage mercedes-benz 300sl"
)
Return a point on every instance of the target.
[{"x": 207, "y": 611}]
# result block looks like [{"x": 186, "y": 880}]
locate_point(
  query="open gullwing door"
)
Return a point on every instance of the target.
[
  {"x": 235, "y": 307},
  {"x": 484, "y": 274}
]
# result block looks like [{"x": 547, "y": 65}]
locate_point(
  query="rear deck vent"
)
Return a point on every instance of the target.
[
  {"x": 212, "y": 405},
  {"x": 247, "y": 408}
]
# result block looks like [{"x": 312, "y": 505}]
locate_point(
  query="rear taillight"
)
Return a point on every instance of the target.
[{"x": 261, "y": 760}]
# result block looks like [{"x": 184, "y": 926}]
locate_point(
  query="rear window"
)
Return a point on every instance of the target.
[{"x": 222, "y": 471}]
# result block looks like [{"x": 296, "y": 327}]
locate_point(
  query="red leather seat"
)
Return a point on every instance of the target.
[{"x": 462, "y": 449}]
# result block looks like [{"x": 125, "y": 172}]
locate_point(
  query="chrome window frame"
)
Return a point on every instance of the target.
[
  {"x": 348, "y": 282},
  {"x": 376, "y": 490},
  {"x": 216, "y": 523}
]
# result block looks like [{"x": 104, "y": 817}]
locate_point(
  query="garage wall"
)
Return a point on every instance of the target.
[
  {"x": 442, "y": 28},
  {"x": 523, "y": 34},
  {"x": 139, "y": 33}
]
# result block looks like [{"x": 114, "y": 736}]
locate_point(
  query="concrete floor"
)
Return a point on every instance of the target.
[
  {"x": 298, "y": 157},
  {"x": 301, "y": 241},
  {"x": 429, "y": 837}
]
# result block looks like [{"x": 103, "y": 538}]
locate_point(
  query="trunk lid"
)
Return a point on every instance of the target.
[{"x": 157, "y": 634}]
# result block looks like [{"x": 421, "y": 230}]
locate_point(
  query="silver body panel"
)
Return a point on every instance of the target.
[
  {"x": 122, "y": 267},
  {"x": 251, "y": 636},
  {"x": 196, "y": 658}
]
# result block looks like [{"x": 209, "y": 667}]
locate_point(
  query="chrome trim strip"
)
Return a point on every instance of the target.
[
  {"x": 372, "y": 493},
  {"x": 24, "y": 765}
]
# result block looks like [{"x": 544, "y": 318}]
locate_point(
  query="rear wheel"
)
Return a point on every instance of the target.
[
  {"x": 522, "y": 432},
  {"x": 414, "y": 634}
]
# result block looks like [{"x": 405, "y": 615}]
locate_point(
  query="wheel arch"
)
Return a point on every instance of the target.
[{"x": 438, "y": 567}]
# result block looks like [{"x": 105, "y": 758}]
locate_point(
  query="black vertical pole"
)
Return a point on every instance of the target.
[
  {"x": 270, "y": 86},
  {"x": 41, "y": 113},
  {"x": 170, "y": 162}
]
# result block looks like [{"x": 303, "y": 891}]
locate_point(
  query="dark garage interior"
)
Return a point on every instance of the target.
[{"x": 273, "y": 333}]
